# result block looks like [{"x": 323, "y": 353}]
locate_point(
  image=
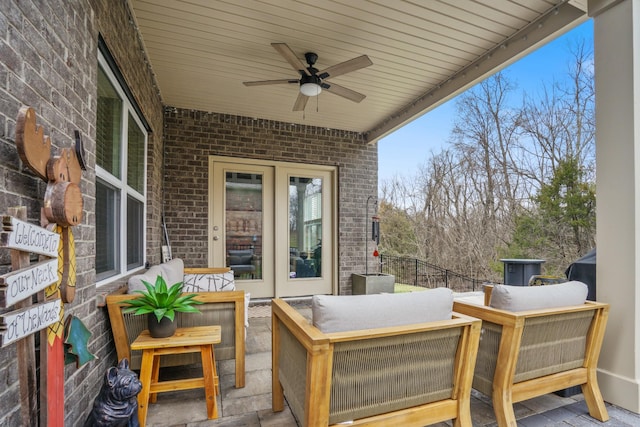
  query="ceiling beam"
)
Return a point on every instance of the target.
[{"x": 556, "y": 21}]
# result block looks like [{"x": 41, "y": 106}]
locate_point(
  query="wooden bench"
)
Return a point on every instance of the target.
[
  {"x": 225, "y": 308},
  {"x": 410, "y": 375}
]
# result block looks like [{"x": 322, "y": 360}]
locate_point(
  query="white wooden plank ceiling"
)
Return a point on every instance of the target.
[{"x": 423, "y": 52}]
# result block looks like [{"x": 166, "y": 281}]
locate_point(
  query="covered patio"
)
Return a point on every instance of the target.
[
  {"x": 422, "y": 55},
  {"x": 182, "y": 75}
]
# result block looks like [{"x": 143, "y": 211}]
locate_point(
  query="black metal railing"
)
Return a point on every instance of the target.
[{"x": 415, "y": 272}]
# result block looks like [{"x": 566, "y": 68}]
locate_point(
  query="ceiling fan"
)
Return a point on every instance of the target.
[{"x": 312, "y": 81}]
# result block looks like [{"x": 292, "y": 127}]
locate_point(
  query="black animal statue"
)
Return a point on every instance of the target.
[{"x": 117, "y": 404}]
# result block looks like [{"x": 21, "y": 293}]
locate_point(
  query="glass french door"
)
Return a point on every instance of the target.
[
  {"x": 273, "y": 225},
  {"x": 241, "y": 224},
  {"x": 307, "y": 223}
]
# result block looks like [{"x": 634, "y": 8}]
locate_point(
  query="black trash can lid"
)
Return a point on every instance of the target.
[{"x": 522, "y": 261}]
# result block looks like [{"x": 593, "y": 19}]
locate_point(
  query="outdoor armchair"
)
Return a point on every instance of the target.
[
  {"x": 544, "y": 339},
  {"x": 411, "y": 374},
  {"x": 226, "y": 308}
]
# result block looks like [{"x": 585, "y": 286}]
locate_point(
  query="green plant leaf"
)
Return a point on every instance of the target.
[
  {"x": 175, "y": 290},
  {"x": 187, "y": 309},
  {"x": 161, "y": 300},
  {"x": 139, "y": 310},
  {"x": 160, "y": 313}
]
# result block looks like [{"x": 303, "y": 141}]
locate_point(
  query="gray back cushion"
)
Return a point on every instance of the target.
[
  {"x": 522, "y": 298},
  {"x": 355, "y": 312},
  {"x": 172, "y": 272},
  {"x": 240, "y": 256}
]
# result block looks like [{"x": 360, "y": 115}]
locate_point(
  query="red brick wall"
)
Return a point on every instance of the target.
[
  {"x": 192, "y": 136},
  {"x": 48, "y": 60}
]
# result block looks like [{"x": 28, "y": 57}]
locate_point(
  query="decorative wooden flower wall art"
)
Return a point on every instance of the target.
[{"x": 53, "y": 278}]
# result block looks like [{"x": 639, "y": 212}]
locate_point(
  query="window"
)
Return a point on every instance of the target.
[
  {"x": 305, "y": 227},
  {"x": 121, "y": 144}
]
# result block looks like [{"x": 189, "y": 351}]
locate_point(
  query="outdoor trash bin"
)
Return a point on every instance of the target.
[{"x": 519, "y": 271}]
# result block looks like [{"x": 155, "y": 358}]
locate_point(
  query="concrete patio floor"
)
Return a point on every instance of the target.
[{"x": 251, "y": 405}]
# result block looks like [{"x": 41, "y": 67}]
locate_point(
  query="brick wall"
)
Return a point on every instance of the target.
[
  {"x": 192, "y": 136},
  {"x": 48, "y": 60}
]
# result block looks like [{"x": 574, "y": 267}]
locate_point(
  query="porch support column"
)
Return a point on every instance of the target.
[{"x": 617, "y": 70}]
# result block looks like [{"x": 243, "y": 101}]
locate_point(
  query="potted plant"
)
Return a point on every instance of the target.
[{"x": 160, "y": 303}]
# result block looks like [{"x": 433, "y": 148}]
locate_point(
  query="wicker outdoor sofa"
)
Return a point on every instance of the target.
[
  {"x": 536, "y": 340},
  {"x": 412, "y": 372},
  {"x": 222, "y": 305}
]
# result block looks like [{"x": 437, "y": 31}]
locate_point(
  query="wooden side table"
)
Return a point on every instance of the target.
[{"x": 185, "y": 340}]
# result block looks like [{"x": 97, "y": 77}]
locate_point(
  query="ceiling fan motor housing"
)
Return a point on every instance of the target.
[
  {"x": 310, "y": 79},
  {"x": 311, "y": 58}
]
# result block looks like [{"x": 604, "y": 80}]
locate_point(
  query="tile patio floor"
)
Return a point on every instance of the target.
[{"x": 251, "y": 405}]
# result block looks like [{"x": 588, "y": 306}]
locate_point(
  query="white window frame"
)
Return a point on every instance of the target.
[{"x": 120, "y": 184}]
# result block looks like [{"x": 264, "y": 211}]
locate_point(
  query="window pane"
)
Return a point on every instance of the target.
[
  {"x": 108, "y": 126},
  {"x": 120, "y": 192},
  {"x": 305, "y": 227},
  {"x": 107, "y": 230},
  {"x": 244, "y": 224},
  {"x": 135, "y": 211},
  {"x": 135, "y": 156}
]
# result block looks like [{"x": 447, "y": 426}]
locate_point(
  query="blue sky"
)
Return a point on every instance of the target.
[{"x": 404, "y": 151}]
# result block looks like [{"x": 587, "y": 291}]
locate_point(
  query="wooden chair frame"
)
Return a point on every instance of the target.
[
  {"x": 505, "y": 391},
  {"x": 115, "y": 306},
  {"x": 318, "y": 351}
]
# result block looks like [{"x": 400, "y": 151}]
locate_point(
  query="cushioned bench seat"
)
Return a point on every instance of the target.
[
  {"x": 222, "y": 305},
  {"x": 393, "y": 359}
]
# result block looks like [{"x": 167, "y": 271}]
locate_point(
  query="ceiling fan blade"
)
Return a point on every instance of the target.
[
  {"x": 345, "y": 67},
  {"x": 301, "y": 102},
  {"x": 286, "y": 52},
  {"x": 270, "y": 82},
  {"x": 345, "y": 93}
]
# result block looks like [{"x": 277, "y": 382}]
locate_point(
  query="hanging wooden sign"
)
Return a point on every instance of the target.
[
  {"x": 21, "y": 323},
  {"x": 20, "y": 284},
  {"x": 62, "y": 209},
  {"x": 27, "y": 237}
]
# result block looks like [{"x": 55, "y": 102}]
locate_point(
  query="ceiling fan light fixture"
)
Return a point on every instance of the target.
[
  {"x": 310, "y": 89},
  {"x": 311, "y": 82}
]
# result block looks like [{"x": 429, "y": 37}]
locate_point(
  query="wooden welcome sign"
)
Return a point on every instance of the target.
[
  {"x": 21, "y": 323},
  {"x": 22, "y": 236},
  {"x": 52, "y": 280},
  {"x": 18, "y": 285},
  {"x": 21, "y": 284}
]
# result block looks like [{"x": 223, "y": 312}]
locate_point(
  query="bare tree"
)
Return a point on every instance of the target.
[
  {"x": 485, "y": 133},
  {"x": 482, "y": 199},
  {"x": 558, "y": 124}
]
